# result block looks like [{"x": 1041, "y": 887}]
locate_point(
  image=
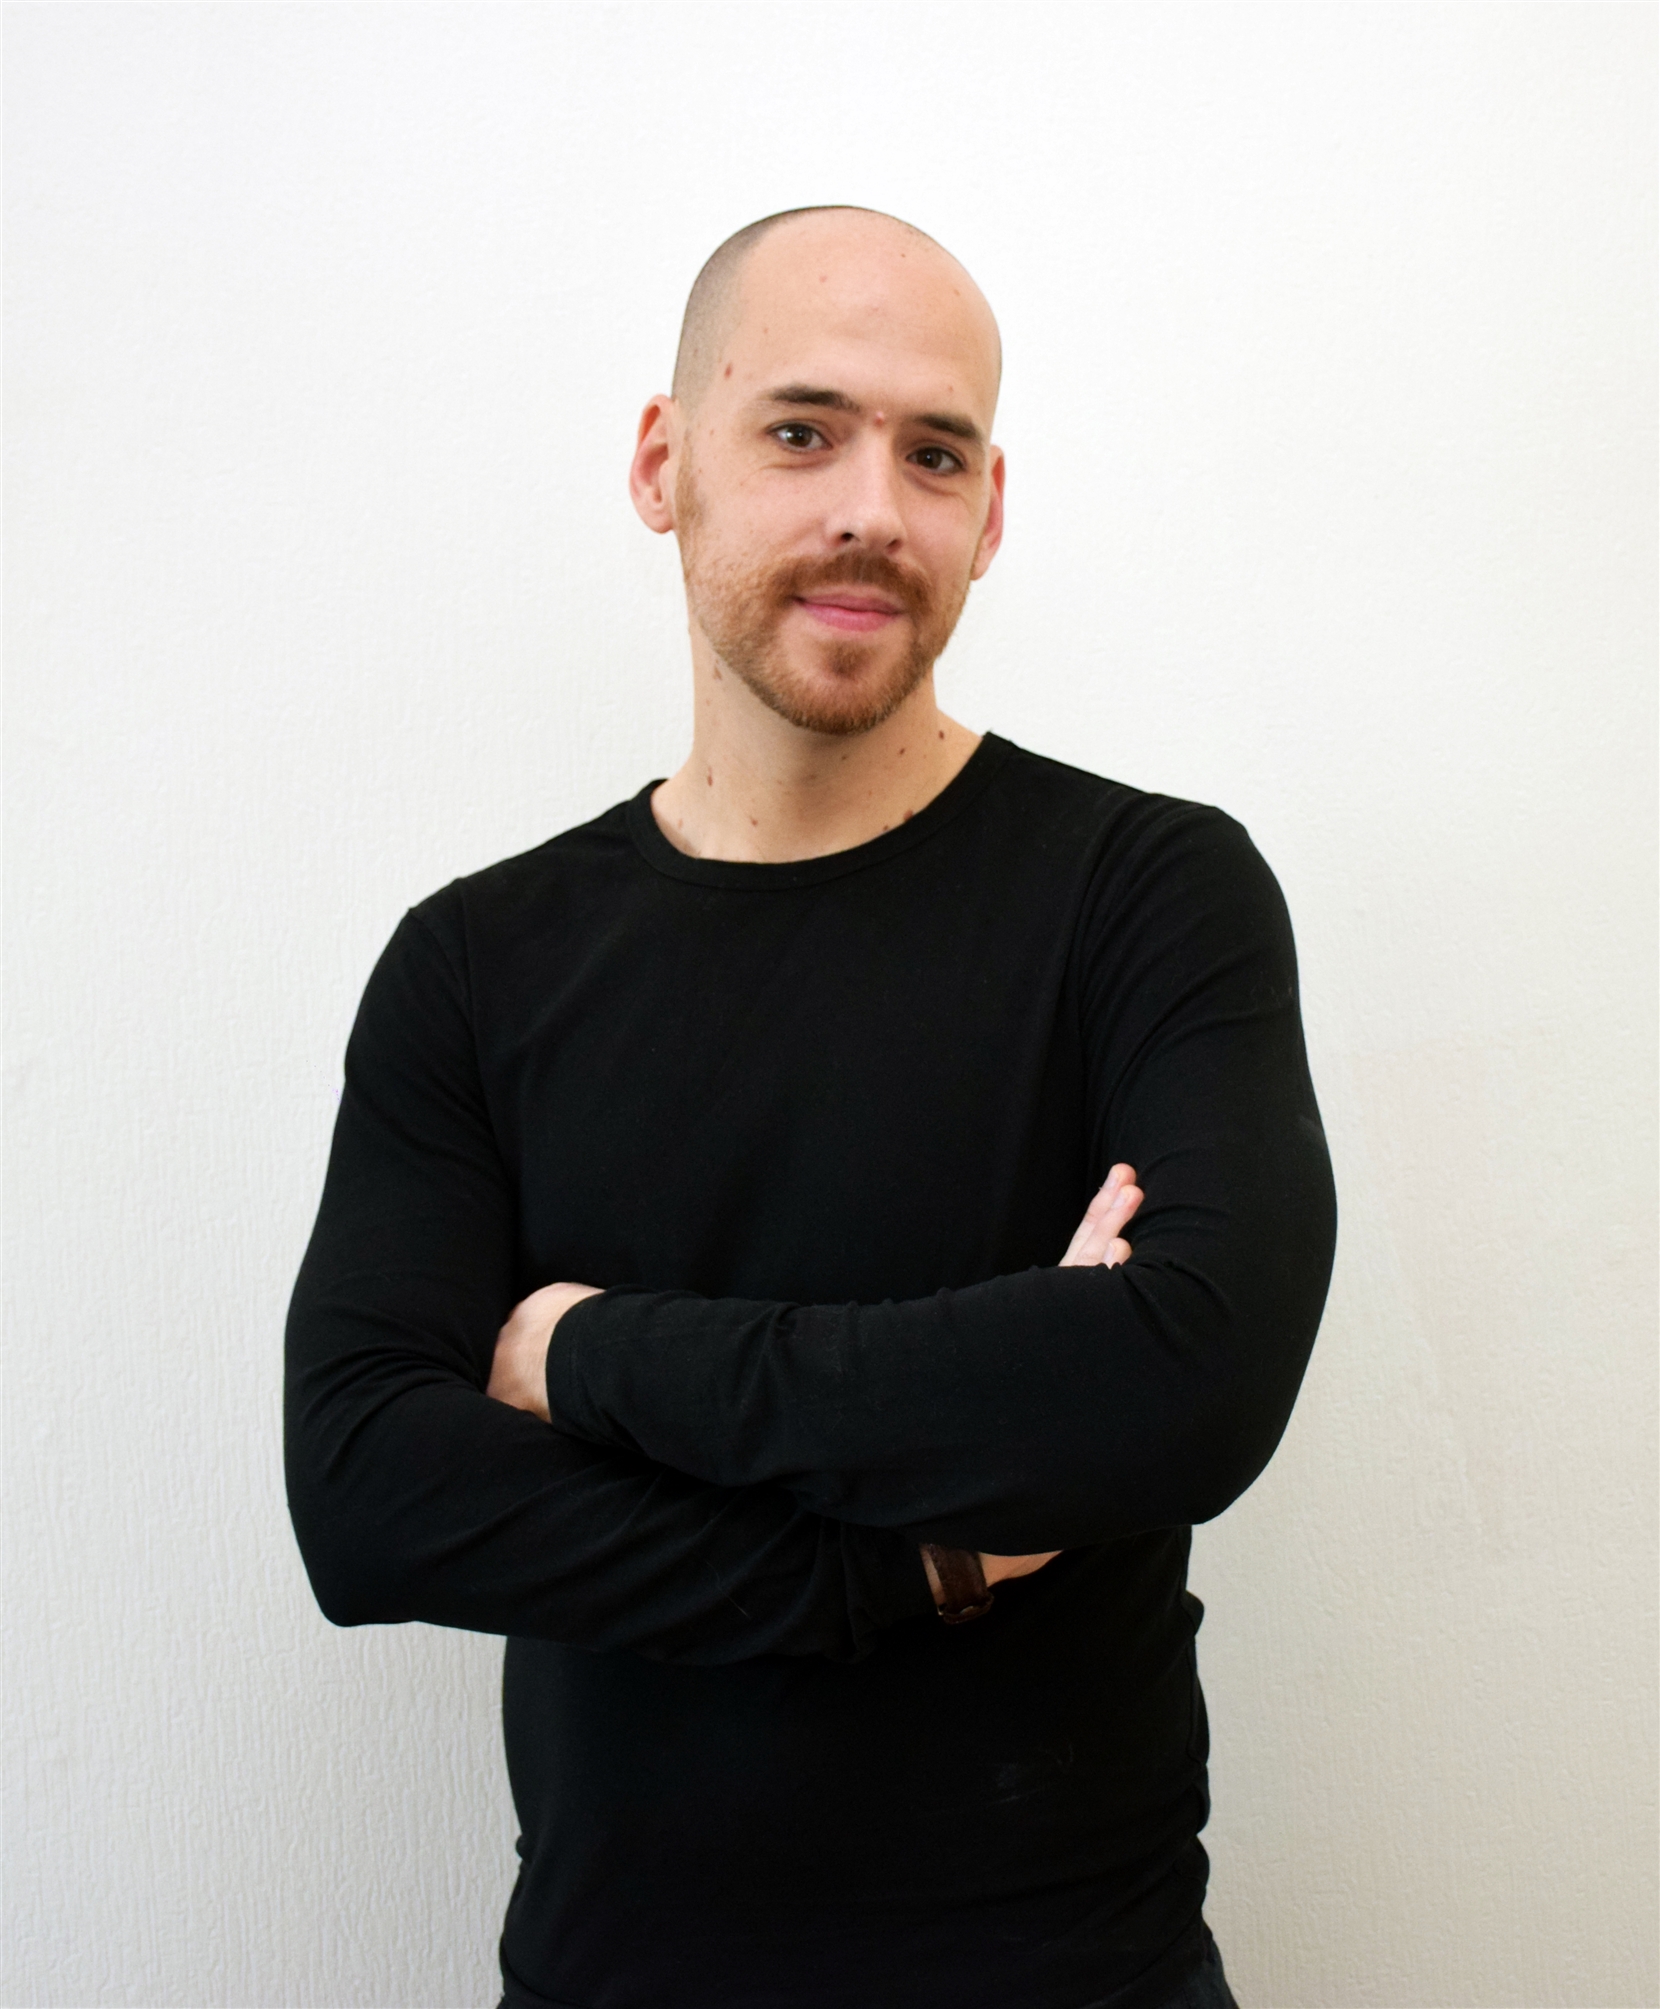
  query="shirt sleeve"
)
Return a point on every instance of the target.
[
  {"x": 416, "y": 1496},
  {"x": 1056, "y": 1407}
]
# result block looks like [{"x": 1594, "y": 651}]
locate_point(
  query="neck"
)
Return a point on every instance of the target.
[{"x": 758, "y": 789}]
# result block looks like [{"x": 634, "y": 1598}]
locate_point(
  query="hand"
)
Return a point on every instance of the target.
[
  {"x": 1100, "y": 1233},
  {"x": 999, "y": 1568},
  {"x": 1097, "y": 1241},
  {"x": 519, "y": 1366}
]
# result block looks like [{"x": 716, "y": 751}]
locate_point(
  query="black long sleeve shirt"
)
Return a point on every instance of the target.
[{"x": 822, "y": 1131}]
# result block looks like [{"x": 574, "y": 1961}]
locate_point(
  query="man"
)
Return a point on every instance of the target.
[{"x": 692, "y": 1298}]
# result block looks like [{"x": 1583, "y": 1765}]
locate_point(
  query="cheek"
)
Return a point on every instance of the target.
[
  {"x": 754, "y": 518},
  {"x": 946, "y": 539}
]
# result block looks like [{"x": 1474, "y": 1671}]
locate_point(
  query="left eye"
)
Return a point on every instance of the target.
[{"x": 936, "y": 459}]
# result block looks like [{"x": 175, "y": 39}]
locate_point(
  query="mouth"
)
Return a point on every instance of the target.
[{"x": 850, "y": 610}]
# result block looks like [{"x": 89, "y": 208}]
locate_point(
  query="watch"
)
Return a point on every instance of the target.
[{"x": 963, "y": 1592}]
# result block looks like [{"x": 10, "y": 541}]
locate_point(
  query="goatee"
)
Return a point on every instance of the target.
[{"x": 742, "y": 609}]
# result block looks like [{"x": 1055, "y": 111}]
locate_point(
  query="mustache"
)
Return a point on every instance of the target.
[{"x": 853, "y": 568}]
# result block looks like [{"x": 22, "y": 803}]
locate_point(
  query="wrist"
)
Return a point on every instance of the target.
[
  {"x": 561, "y": 1299},
  {"x": 958, "y": 1582},
  {"x": 519, "y": 1365}
]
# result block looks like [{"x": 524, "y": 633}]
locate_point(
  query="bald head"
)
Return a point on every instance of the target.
[{"x": 715, "y": 302}]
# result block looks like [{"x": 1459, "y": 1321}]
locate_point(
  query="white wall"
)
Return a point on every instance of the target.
[{"x": 1330, "y": 372}]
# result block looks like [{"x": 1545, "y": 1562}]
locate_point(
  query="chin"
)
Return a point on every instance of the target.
[{"x": 839, "y": 698}]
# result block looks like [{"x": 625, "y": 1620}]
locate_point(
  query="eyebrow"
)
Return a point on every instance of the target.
[{"x": 953, "y": 424}]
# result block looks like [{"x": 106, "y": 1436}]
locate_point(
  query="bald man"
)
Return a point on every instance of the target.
[{"x": 800, "y": 1251}]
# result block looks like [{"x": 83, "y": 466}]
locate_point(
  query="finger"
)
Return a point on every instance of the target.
[
  {"x": 1101, "y": 1200},
  {"x": 1095, "y": 1215},
  {"x": 1120, "y": 1252},
  {"x": 1088, "y": 1244},
  {"x": 1119, "y": 1177},
  {"x": 1074, "y": 1248},
  {"x": 1125, "y": 1202},
  {"x": 1091, "y": 1245},
  {"x": 1080, "y": 1238}
]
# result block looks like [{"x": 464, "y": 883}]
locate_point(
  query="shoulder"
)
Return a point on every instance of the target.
[
  {"x": 1158, "y": 880},
  {"x": 530, "y": 892},
  {"x": 1122, "y": 827}
]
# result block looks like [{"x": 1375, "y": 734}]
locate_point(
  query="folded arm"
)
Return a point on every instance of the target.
[
  {"x": 1060, "y": 1406},
  {"x": 519, "y": 1368},
  {"x": 414, "y": 1496}
]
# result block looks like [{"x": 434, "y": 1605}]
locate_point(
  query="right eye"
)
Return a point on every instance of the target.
[{"x": 798, "y": 436}]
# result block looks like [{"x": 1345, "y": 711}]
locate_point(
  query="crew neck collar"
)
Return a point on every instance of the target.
[{"x": 981, "y": 765}]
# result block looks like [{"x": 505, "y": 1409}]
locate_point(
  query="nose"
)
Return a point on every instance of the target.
[{"x": 865, "y": 512}]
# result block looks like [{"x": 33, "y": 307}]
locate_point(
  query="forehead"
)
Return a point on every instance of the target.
[{"x": 828, "y": 298}]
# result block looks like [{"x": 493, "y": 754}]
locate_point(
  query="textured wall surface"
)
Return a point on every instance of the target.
[{"x": 1329, "y": 401}]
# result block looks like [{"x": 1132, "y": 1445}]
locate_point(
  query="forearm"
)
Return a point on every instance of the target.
[
  {"x": 932, "y": 1416},
  {"x": 1052, "y": 1408},
  {"x": 415, "y": 1497}
]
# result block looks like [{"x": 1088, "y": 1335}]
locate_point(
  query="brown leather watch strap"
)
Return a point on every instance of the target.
[{"x": 963, "y": 1593}]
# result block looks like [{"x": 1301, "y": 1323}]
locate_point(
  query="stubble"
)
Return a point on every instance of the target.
[{"x": 742, "y": 610}]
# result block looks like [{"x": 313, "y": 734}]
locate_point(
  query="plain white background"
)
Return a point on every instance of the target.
[{"x": 1328, "y": 408}]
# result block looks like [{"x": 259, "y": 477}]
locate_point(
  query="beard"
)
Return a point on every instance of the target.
[{"x": 849, "y": 687}]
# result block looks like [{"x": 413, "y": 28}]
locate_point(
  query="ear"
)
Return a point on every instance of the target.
[
  {"x": 651, "y": 472},
  {"x": 992, "y": 535}
]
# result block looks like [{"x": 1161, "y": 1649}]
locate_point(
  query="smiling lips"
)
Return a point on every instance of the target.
[{"x": 849, "y": 610}]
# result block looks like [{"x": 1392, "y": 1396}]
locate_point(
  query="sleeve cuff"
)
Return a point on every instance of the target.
[{"x": 885, "y": 1581}]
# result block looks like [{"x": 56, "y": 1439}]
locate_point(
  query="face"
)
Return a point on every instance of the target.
[{"x": 834, "y": 489}]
